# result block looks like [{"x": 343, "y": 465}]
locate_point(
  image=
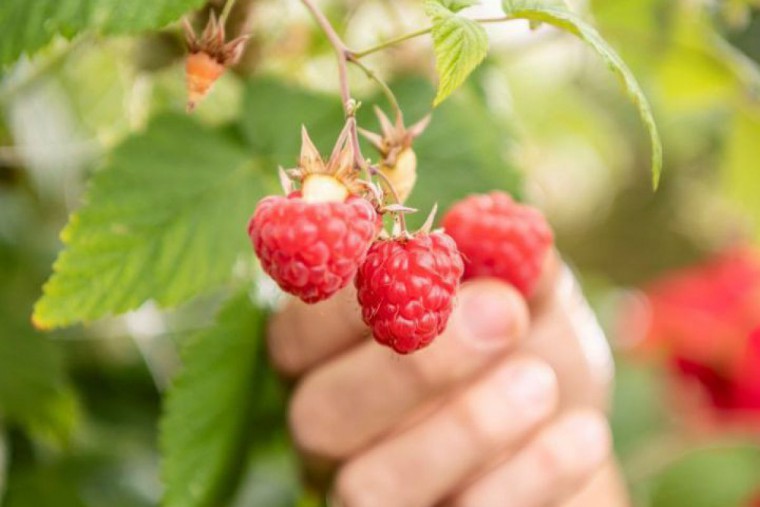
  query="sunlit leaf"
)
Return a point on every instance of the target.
[
  {"x": 460, "y": 46},
  {"x": 555, "y": 14},
  {"x": 164, "y": 220}
]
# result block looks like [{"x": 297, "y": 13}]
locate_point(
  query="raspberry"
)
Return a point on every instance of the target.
[
  {"x": 500, "y": 238},
  {"x": 312, "y": 249},
  {"x": 406, "y": 289}
]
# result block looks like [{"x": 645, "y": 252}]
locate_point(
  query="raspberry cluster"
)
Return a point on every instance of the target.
[{"x": 316, "y": 240}]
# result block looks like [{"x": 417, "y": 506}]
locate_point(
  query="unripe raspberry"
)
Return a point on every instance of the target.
[
  {"x": 209, "y": 56},
  {"x": 202, "y": 72},
  {"x": 500, "y": 238},
  {"x": 398, "y": 161},
  {"x": 403, "y": 174},
  {"x": 406, "y": 288}
]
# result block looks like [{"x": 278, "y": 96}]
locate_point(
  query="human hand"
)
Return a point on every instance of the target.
[{"x": 506, "y": 408}]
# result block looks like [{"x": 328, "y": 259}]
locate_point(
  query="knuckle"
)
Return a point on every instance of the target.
[
  {"x": 280, "y": 342},
  {"x": 422, "y": 372},
  {"x": 361, "y": 485},
  {"x": 468, "y": 416},
  {"x": 309, "y": 422},
  {"x": 550, "y": 459}
]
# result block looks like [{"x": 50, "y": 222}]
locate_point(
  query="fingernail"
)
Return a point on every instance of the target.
[
  {"x": 487, "y": 314},
  {"x": 531, "y": 387},
  {"x": 590, "y": 437}
]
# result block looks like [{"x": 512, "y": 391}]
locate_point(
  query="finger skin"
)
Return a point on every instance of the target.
[
  {"x": 418, "y": 467},
  {"x": 301, "y": 335},
  {"x": 361, "y": 395},
  {"x": 550, "y": 271},
  {"x": 553, "y": 467},
  {"x": 566, "y": 334},
  {"x": 605, "y": 489}
]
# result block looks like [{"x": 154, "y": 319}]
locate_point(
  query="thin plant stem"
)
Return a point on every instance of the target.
[
  {"x": 380, "y": 175},
  {"x": 383, "y": 85},
  {"x": 226, "y": 12},
  {"x": 392, "y": 42},
  {"x": 418, "y": 33},
  {"x": 344, "y": 55},
  {"x": 341, "y": 52}
]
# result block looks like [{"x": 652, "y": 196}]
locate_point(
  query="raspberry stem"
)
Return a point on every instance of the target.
[
  {"x": 413, "y": 35},
  {"x": 341, "y": 51},
  {"x": 344, "y": 56},
  {"x": 383, "y": 85},
  {"x": 401, "y": 218},
  {"x": 226, "y": 12}
]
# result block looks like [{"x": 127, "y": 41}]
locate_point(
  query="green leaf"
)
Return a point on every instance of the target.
[
  {"x": 720, "y": 476},
  {"x": 27, "y": 25},
  {"x": 209, "y": 408},
  {"x": 165, "y": 220},
  {"x": 458, "y": 5},
  {"x": 34, "y": 391},
  {"x": 460, "y": 45},
  {"x": 638, "y": 411},
  {"x": 554, "y": 13},
  {"x": 273, "y": 112}
]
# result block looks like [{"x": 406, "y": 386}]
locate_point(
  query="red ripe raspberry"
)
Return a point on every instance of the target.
[
  {"x": 500, "y": 238},
  {"x": 312, "y": 249},
  {"x": 406, "y": 289}
]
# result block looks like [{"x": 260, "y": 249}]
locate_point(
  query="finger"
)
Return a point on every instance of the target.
[
  {"x": 550, "y": 469},
  {"x": 566, "y": 333},
  {"x": 550, "y": 272},
  {"x": 418, "y": 467},
  {"x": 302, "y": 335},
  {"x": 350, "y": 401},
  {"x": 605, "y": 489}
]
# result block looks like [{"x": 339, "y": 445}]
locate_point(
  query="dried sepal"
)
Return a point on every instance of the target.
[
  {"x": 285, "y": 181},
  {"x": 212, "y": 41},
  {"x": 430, "y": 220},
  {"x": 310, "y": 160},
  {"x": 394, "y": 137},
  {"x": 372, "y": 191},
  {"x": 398, "y": 208},
  {"x": 341, "y": 165}
]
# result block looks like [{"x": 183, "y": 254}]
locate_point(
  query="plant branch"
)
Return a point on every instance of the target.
[
  {"x": 412, "y": 35},
  {"x": 380, "y": 175},
  {"x": 226, "y": 12},
  {"x": 383, "y": 85},
  {"x": 341, "y": 52},
  {"x": 344, "y": 55}
]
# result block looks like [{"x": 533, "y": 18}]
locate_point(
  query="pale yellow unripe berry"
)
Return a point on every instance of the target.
[{"x": 403, "y": 174}]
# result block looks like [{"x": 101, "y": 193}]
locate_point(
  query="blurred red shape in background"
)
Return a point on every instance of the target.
[{"x": 704, "y": 322}]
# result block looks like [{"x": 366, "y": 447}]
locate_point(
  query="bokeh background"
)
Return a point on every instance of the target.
[{"x": 674, "y": 275}]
